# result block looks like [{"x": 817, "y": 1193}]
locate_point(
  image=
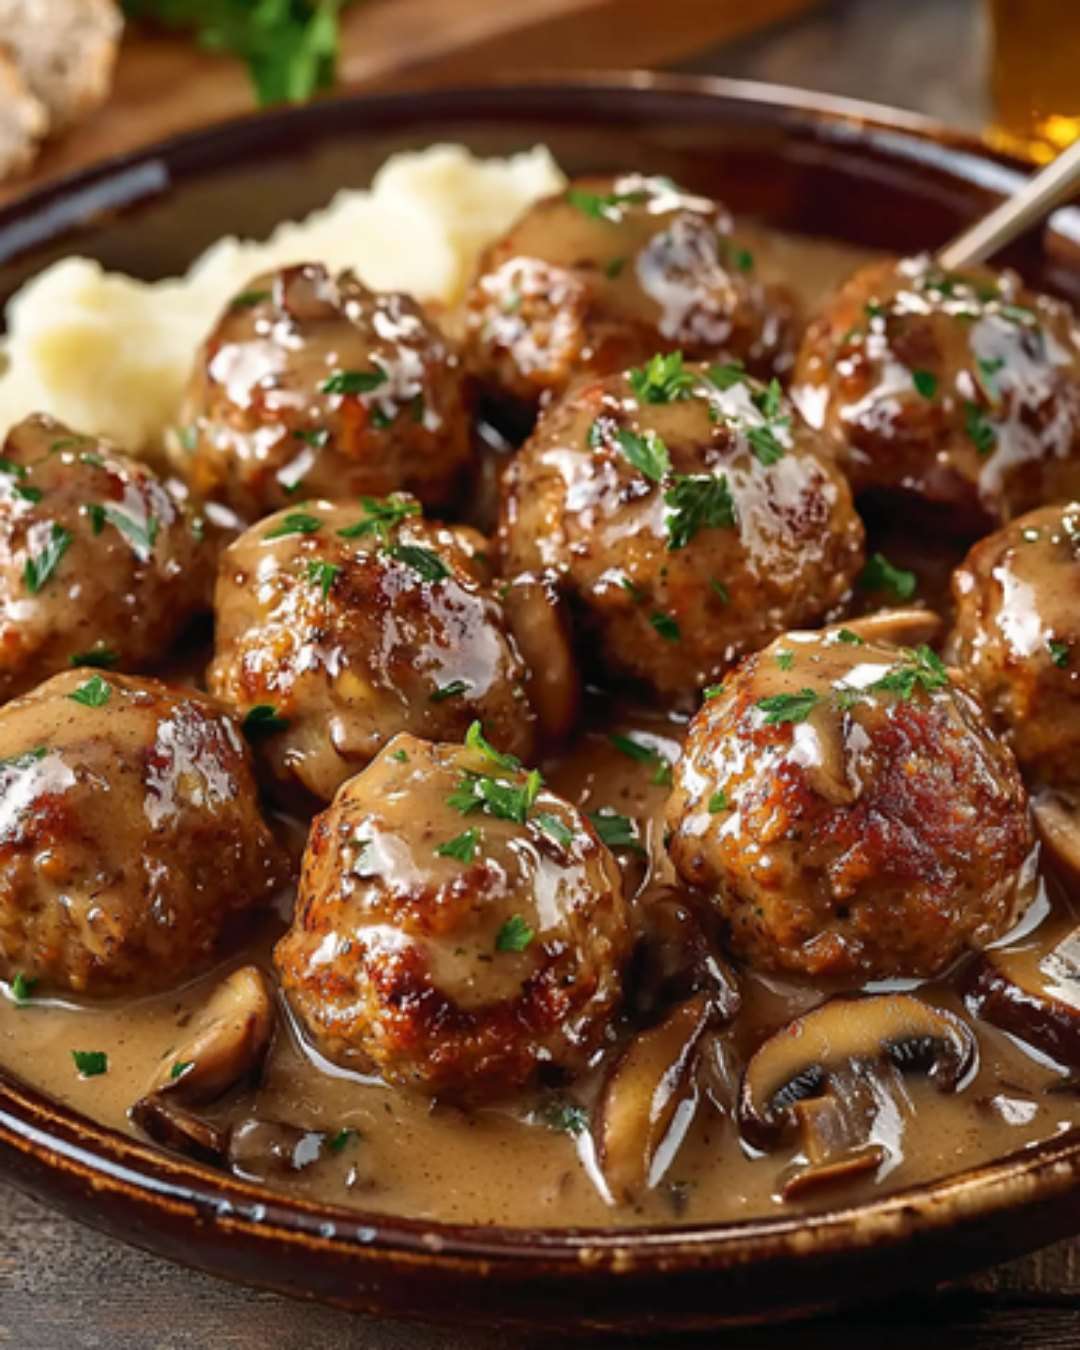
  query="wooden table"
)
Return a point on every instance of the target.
[{"x": 63, "y": 1286}]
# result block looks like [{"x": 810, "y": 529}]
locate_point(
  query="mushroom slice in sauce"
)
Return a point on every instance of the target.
[
  {"x": 228, "y": 1043},
  {"x": 804, "y": 1058},
  {"x": 540, "y": 624},
  {"x": 674, "y": 959},
  {"x": 1032, "y": 993},
  {"x": 168, "y": 1124},
  {"x": 907, "y": 627},
  {"x": 1058, "y": 822}
]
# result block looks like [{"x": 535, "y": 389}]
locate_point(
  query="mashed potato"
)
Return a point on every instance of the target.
[{"x": 110, "y": 356}]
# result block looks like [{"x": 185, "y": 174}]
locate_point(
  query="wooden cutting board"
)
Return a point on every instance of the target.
[{"x": 166, "y": 84}]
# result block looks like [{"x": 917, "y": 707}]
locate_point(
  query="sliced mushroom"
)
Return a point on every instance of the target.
[
  {"x": 1058, "y": 822},
  {"x": 649, "y": 1100},
  {"x": 169, "y": 1124},
  {"x": 227, "y": 1045},
  {"x": 803, "y": 1059},
  {"x": 675, "y": 959},
  {"x": 908, "y": 627},
  {"x": 541, "y": 627},
  {"x": 834, "y": 1130},
  {"x": 1033, "y": 994}
]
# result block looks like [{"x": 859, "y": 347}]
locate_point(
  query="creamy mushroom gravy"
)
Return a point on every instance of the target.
[{"x": 364, "y": 1145}]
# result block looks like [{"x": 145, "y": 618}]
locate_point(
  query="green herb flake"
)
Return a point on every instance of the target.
[
  {"x": 263, "y": 720},
  {"x": 613, "y": 268},
  {"x": 644, "y": 754},
  {"x": 647, "y": 453},
  {"x": 785, "y": 660},
  {"x": 10, "y": 469},
  {"x": 95, "y": 693},
  {"x": 40, "y": 566},
  {"x": 712, "y": 691},
  {"x": 697, "y": 502},
  {"x": 727, "y": 374},
  {"x": 248, "y": 299},
  {"x": 880, "y": 575},
  {"x": 188, "y": 437},
  {"x": 476, "y": 740},
  {"x": 495, "y": 797},
  {"x": 852, "y": 639},
  {"x": 354, "y": 381},
  {"x": 24, "y": 760},
  {"x": 381, "y": 517},
  {"x": 295, "y": 522},
  {"x": 22, "y": 988},
  {"x": 104, "y": 658},
  {"x": 988, "y": 367},
  {"x": 666, "y": 626},
  {"x": 90, "y": 1063},
  {"x": 336, "y": 1142},
  {"x": 979, "y": 429},
  {"x": 316, "y": 437},
  {"x": 925, "y": 382},
  {"x": 767, "y": 449},
  {"x": 663, "y": 379},
  {"x": 604, "y": 206},
  {"x": 779, "y": 708},
  {"x": 554, "y": 828},
  {"x": 322, "y": 574},
  {"x": 28, "y": 494},
  {"x": 402, "y": 756},
  {"x": 95, "y": 513},
  {"x": 462, "y": 847},
  {"x": 514, "y": 936},
  {"x": 181, "y": 1067},
  {"x": 564, "y": 1117},
  {"x": 1059, "y": 653},
  {"x": 427, "y": 565},
  {"x": 875, "y": 311},
  {"x": 720, "y": 591},
  {"x": 718, "y": 802},
  {"x": 452, "y": 690},
  {"x": 743, "y": 259},
  {"x": 921, "y": 668},
  {"x": 140, "y": 534},
  {"x": 615, "y": 830}
]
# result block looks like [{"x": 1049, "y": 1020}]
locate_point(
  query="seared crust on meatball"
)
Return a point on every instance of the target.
[
  {"x": 961, "y": 391},
  {"x": 1017, "y": 637},
  {"x": 610, "y": 271},
  {"x": 313, "y": 386},
  {"x": 130, "y": 835},
  {"x": 849, "y": 812},
  {"x": 348, "y": 624},
  {"x": 688, "y": 515},
  {"x": 99, "y": 563},
  {"x": 459, "y": 929}
]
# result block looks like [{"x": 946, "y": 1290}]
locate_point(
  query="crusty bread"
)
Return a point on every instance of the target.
[
  {"x": 23, "y": 120},
  {"x": 65, "y": 51}
]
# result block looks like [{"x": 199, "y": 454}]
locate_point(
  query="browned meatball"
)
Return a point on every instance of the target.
[
  {"x": 339, "y": 626},
  {"x": 1017, "y": 636},
  {"x": 959, "y": 390},
  {"x": 849, "y": 812},
  {"x": 609, "y": 272},
  {"x": 459, "y": 929},
  {"x": 99, "y": 564},
  {"x": 313, "y": 386},
  {"x": 688, "y": 514},
  {"x": 130, "y": 835}
]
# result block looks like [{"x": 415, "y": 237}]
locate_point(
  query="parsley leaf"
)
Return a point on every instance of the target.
[
  {"x": 566, "y": 1117},
  {"x": 476, "y": 740},
  {"x": 616, "y": 831},
  {"x": 648, "y": 453},
  {"x": 101, "y": 656},
  {"x": 263, "y": 720},
  {"x": 504, "y": 801},
  {"x": 725, "y": 375},
  {"x": 919, "y": 668},
  {"x": 95, "y": 693},
  {"x": 788, "y": 707},
  {"x": 322, "y": 574},
  {"x": 925, "y": 382},
  {"x": 40, "y": 566},
  {"x": 644, "y": 754},
  {"x": 697, "y": 501},
  {"x": 452, "y": 690},
  {"x": 979, "y": 429},
  {"x": 604, "y": 206},
  {"x": 718, "y": 802},
  {"x": 712, "y": 691},
  {"x": 90, "y": 1063},
  {"x": 663, "y": 379},
  {"x": 427, "y": 565},
  {"x": 880, "y": 575},
  {"x": 554, "y": 828},
  {"x": 180, "y": 1068},
  {"x": 140, "y": 534},
  {"x": 764, "y": 444},
  {"x": 1059, "y": 653},
  {"x": 382, "y": 516},
  {"x": 666, "y": 626},
  {"x": 354, "y": 381},
  {"x": 514, "y": 936},
  {"x": 248, "y": 299},
  {"x": 462, "y": 847},
  {"x": 24, "y": 760},
  {"x": 295, "y": 522},
  {"x": 22, "y": 987},
  {"x": 336, "y": 1142},
  {"x": 852, "y": 639}
]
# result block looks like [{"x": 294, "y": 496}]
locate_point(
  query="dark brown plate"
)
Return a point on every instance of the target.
[{"x": 822, "y": 166}]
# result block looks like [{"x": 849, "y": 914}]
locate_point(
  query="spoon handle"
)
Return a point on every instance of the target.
[{"x": 1047, "y": 189}]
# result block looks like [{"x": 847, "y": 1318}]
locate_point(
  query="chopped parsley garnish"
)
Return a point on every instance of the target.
[
  {"x": 140, "y": 534},
  {"x": 248, "y": 299},
  {"x": 725, "y": 375},
  {"x": 101, "y": 656},
  {"x": 666, "y": 626},
  {"x": 604, "y": 206},
  {"x": 742, "y": 258},
  {"x": 614, "y": 267},
  {"x": 874, "y": 310},
  {"x": 988, "y": 367},
  {"x": 476, "y": 740},
  {"x": 921, "y": 668},
  {"x": 40, "y": 566},
  {"x": 718, "y": 802},
  {"x": 316, "y": 437},
  {"x": 402, "y": 756},
  {"x": 616, "y": 831},
  {"x": 697, "y": 502},
  {"x": 514, "y": 936},
  {"x": 95, "y": 693},
  {"x": 263, "y": 720},
  {"x": 663, "y": 379},
  {"x": 647, "y": 453},
  {"x": 644, "y": 754},
  {"x": 322, "y": 574},
  {"x": 22, "y": 987},
  {"x": 712, "y": 691},
  {"x": 427, "y": 565},
  {"x": 566, "y": 1117},
  {"x": 462, "y": 847},
  {"x": 925, "y": 382},
  {"x": 180, "y": 1068},
  {"x": 785, "y": 660},
  {"x": 979, "y": 429},
  {"x": 90, "y": 1063},
  {"x": 720, "y": 591},
  {"x": 295, "y": 522},
  {"x": 554, "y": 828},
  {"x": 336, "y": 1142},
  {"x": 24, "y": 760},
  {"x": 28, "y": 494},
  {"x": 1059, "y": 653},
  {"x": 635, "y": 592},
  {"x": 1018, "y": 314},
  {"x": 880, "y": 575},
  {"x": 95, "y": 513},
  {"x": 382, "y": 517},
  {"x": 769, "y": 400},
  {"x": 452, "y": 690},
  {"x": 852, "y": 639},
  {"x": 354, "y": 381},
  {"x": 11, "y": 469},
  {"x": 495, "y": 797},
  {"x": 788, "y": 707},
  {"x": 188, "y": 437},
  {"x": 764, "y": 444},
  {"x": 380, "y": 420}
]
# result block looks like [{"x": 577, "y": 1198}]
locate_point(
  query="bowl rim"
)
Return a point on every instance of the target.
[{"x": 76, "y": 1150}]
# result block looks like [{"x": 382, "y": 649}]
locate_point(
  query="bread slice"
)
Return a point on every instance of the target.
[
  {"x": 65, "y": 51},
  {"x": 23, "y": 120}
]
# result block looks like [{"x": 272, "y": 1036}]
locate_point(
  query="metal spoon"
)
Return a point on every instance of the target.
[{"x": 1049, "y": 187}]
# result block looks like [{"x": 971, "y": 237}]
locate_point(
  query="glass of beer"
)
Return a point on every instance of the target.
[{"x": 1035, "y": 75}]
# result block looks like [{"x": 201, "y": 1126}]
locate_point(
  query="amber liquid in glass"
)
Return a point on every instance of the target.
[{"x": 1035, "y": 75}]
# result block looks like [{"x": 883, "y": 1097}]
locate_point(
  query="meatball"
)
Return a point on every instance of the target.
[
  {"x": 689, "y": 517},
  {"x": 849, "y": 813},
  {"x": 459, "y": 929},
  {"x": 319, "y": 387},
  {"x": 961, "y": 391},
  {"x": 130, "y": 835},
  {"x": 339, "y": 626},
  {"x": 99, "y": 564},
  {"x": 609, "y": 272},
  {"x": 1017, "y": 636}
]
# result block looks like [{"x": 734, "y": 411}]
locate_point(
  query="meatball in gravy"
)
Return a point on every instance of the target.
[
  {"x": 688, "y": 515},
  {"x": 607, "y": 273},
  {"x": 849, "y": 812},
  {"x": 1017, "y": 636},
  {"x": 339, "y": 626},
  {"x": 959, "y": 390},
  {"x": 314, "y": 386},
  {"x": 130, "y": 834},
  {"x": 459, "y": 929},
  {"x": 99, "y": 563}
]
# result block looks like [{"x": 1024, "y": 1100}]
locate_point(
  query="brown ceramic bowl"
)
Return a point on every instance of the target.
[{"x": 804, "y": 163}]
